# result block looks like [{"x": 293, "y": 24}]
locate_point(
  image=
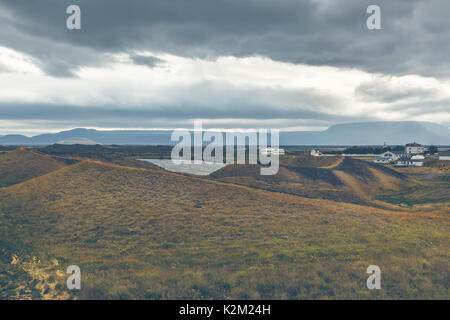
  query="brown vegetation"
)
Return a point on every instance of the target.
[
  {"x": 21, "y": 164},
  {"x": 144, "y": 233},
  {"x": 334, "y": 178}
]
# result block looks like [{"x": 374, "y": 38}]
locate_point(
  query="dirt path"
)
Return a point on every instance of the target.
[{"x": 334, "y": 165}]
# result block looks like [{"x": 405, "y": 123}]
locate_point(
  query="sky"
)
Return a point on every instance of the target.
[{"x": 287, "y": 64}]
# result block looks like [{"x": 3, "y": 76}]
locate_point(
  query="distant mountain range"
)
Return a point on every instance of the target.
[
  {"x": 368, "y": 133},
  {"x": 372, "y": 133}
]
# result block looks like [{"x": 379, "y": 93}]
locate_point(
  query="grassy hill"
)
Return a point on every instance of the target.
[
  {"x": 150, "y": 234},
  {"x": 336, "y": 178},
  {"x": 432, "y": 187},
  {"x": 21, "y": 164}
]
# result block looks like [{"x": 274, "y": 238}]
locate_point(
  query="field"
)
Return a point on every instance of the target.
[
  {"x": 144, "y": 233},
  {"x": 336, "y": 178},
  {"x": 432, "y": 187},
  {"x": 32, "y": 165}
]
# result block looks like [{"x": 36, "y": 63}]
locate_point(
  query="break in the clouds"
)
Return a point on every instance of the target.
[{"x": 161, "y": 63}]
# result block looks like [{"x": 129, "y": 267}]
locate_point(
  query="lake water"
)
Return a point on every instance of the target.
[{"x": 202, "y": 169}]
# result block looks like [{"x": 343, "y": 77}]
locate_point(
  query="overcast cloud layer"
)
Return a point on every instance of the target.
[{"x": 249, "y": 63}]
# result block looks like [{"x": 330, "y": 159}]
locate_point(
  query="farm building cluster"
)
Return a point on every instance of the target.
[
  {"x": 413, "y": 154},
  {"x": 400, "y": 159}
]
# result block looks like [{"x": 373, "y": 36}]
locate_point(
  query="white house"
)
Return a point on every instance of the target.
[
  {"x": 414, "y": 148},
  {"x": 404, "y": 162},
  {"x": 389, "y": 157},
  {"x": 417, "y": 160},
  {"x": 272, "y": 151},
  {"x": 315, "y": 153},
  {"x": 444, "y": 156},
  {"x": 394, "y": 155},
  {"x": 382, "y": 160},
  {"x": 408, "y": 161},
  {"x": 417, "y": 163}
]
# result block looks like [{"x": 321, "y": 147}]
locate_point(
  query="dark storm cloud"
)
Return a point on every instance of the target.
[
  {"x": 104, "y": 114},
  {"x": 55, "y": 56},
  {"x": 382, "y": 91},
  {"x": 415, "y": 37},
  {"x": 432, "y": 106},
  {"x": 148, "y": 61}
]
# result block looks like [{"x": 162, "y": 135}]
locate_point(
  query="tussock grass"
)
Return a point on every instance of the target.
[
  {"x": 150, "y": 234},
  {"x": 21, "y": 164}
]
